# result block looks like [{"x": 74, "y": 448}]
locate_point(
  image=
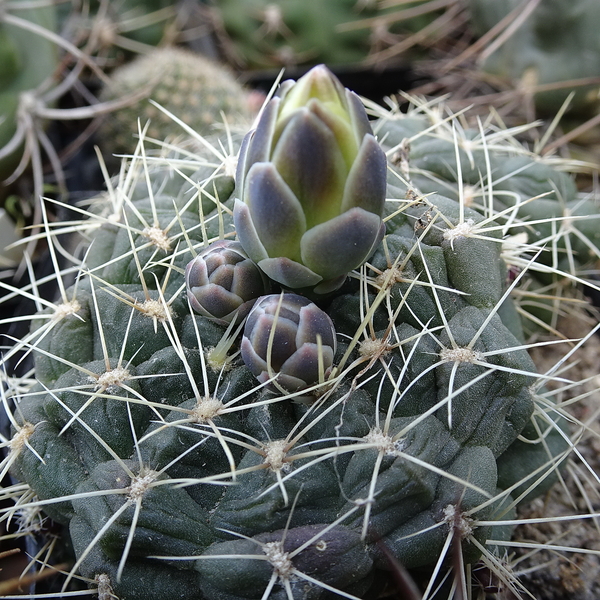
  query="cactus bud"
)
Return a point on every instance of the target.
[
  {"x": 222, "y": 282},
  {"x": 311, "y": 185},
  {"x": 301, "y": 348}
]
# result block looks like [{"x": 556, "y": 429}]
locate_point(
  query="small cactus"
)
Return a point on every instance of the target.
[{"x": 194, "y": 88}]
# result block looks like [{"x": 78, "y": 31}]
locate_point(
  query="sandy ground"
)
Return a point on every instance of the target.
[{"x": 551, "y": 574}]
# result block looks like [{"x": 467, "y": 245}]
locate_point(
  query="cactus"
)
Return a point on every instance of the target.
[
  {"x": 176, "y": 473},
  {"x": 26, "y": 62},
  {"x": 556, "y": 44},
  {"x": 538, "y": 202},
  {"x": 115, "y": 31},
  {"x": 192, "y": 87},
  {"x": 260, "y": 34}
]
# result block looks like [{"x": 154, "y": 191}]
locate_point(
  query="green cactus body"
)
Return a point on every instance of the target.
[
  {"x": 179, "y": 475},
  {"x": 539, "y": 205}
]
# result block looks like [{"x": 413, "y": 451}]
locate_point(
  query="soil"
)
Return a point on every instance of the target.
[{"x": 568, "y": 575}]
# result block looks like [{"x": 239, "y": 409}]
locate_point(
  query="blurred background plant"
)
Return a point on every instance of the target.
[{"x": 55, "y": 56}]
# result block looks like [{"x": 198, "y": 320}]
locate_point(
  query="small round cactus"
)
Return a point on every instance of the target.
[
  {"x": 223, "y": 283},
  {"x": 290, "y": 338},
  {"x": 192, "y": 87}
]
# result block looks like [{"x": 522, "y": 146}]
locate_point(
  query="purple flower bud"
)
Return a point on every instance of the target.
[
  {"x": 301, "y": 348},
  {"x": 311, "y": 185},
  {"x": 222, "y": 282}
]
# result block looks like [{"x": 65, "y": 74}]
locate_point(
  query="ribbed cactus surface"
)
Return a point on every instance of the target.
[
  {"x": 179, "y": 474},
  {"x": 534, "y": 202}
]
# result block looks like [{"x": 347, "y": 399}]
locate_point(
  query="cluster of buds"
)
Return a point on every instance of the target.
[{"x": 310, "y": 194}]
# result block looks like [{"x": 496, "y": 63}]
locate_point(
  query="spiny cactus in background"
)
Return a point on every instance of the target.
[
  {"x": 27, "y": 61},
  {"x": 38, "y": 69},
  {"x": 195, "y": 89},
  {"x": 261, "y": 34},
  {"x": 112, "y": 31},
  {"x": 557, "y": 43},
  {"x": 417, "y": 425}
]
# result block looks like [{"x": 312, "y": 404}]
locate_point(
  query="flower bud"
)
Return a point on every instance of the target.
[
  {"x": 311, "y": 185},
  {"x": 299, "y": 350},
  {"x": 223, "y": 283}
]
